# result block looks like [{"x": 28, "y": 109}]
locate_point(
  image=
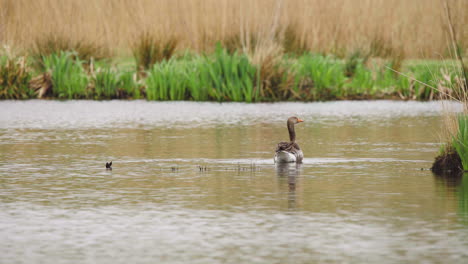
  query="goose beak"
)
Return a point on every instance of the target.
[{"x": 300, "y": 120}]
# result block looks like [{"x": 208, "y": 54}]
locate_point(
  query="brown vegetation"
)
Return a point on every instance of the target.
[
  {"x": 54, "y": 43},
  {"x": 412, "y": 28},
  {"x": 148, "y": 50},
  {"x": 449, "y": 161}
]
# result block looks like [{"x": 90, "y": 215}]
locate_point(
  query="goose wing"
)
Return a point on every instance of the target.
[{"x": 291, "y": 147}]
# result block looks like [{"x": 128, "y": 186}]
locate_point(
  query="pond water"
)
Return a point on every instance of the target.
[{"x": 363, "y": 193}]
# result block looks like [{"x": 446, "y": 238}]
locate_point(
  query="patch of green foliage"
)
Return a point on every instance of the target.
[
  {"x": 322, "y": 77},
  {"x": 167, "y": 81},
  {"x": 69, "y": 80},
  {"x": 460, "y": 141},
  {"x": 228, "y": 75},
  {"x": 106, "y": 83},
  {"x": 129, "y": 87},
  {"x": 220, "y": 76}
]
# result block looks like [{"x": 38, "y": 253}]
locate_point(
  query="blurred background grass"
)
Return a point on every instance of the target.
[{"x": 413, "y": 28}]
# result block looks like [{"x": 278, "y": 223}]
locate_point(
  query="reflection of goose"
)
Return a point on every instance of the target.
[
  {"x": 289, "y": 151},
  {"x": 289, "y": 173}
]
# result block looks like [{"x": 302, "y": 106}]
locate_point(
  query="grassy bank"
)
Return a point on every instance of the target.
[{"x": 222, "y": 76}]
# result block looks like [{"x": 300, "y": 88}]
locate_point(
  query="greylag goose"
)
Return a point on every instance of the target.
[{"x": 289, "y": 151}]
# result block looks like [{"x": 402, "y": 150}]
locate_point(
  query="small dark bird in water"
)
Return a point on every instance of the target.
[{"x": 109, "y": 165}]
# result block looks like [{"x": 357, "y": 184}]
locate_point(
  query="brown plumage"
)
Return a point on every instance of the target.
[{"x": 289, "y": 151}]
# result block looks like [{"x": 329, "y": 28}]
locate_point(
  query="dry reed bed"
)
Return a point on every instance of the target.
[{"x": 414, "y": 28}]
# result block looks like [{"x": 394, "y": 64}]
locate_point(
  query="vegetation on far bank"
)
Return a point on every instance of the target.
[
  {"x": 228, "y": 51},
  {"x": 227, "y": 74}
]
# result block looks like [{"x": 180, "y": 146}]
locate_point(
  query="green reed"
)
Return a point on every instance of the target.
[
  {"x": 322, "y": 76},
  {"x": 361, "y": 82},
  {"x": 69, "y": 79},
  {"x": 231, "y": 76},
  {"x": 167, "y": 81},
  {"x": 106, "y": 83},
  {"x": 220, "y": 77},
  {"x": 129, "y": 87},
  {"x": 460, "y": 141}
]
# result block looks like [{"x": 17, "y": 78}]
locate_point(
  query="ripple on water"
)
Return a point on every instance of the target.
[
  {"x": 198, "y": 236},
  {"x": 85, "y": 114},
  {"x": 359, "y": 196}
]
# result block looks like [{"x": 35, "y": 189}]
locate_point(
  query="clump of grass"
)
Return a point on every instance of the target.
[
  {"x": 199, "y": 80},
  {"x": 456, "y": 128},
  {"x": 275, "y": 80},
  {"x": 292, "y": 42},
  {"x": 318, "y": 77},
  {"x": 14, "y": 78},
  {"x": 69, "y": 81},
  {"x": 105, "y": 83},
  {"x": 352, "y": 62},
  {"x": 231, "y": 77},
  {"x": 220, "y": 77},
  {"x": 149, "y": 49},
  {"x": 167, "y": 81},
  {"x": 233, "y": 42},
  {"x": 460, "y": 140},
  {"x": 381, "y": 47},
  {"x": 361, "y": 82},
  {"x": 55, "y": 43},
  {"x": 42, "y": 85},
  {"x": 397, "y": 59},
  {"x": 128, "y": 85}
]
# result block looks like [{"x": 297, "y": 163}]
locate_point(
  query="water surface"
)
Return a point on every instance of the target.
[{"x": 360, "y": 195}]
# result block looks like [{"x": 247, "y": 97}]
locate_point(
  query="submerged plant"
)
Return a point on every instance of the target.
[{"x": 69, "y": 80}]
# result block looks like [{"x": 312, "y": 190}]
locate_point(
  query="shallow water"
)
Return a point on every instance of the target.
[{"x": 360, "y": 195}]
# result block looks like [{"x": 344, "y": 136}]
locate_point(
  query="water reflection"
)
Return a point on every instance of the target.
[
  {"x": 288, "y": 174},
  {"x": 462, "y": 194},
  {"x": 455, "y": 185},
  {"x": 448, "y": 180},
  {"x": 359, "y": 197}
]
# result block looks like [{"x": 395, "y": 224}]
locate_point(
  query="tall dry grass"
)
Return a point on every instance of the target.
[{"x": 340, "y": 26}]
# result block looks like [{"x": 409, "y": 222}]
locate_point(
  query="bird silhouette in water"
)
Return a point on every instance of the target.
[{"x": 109, "y": 165}]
